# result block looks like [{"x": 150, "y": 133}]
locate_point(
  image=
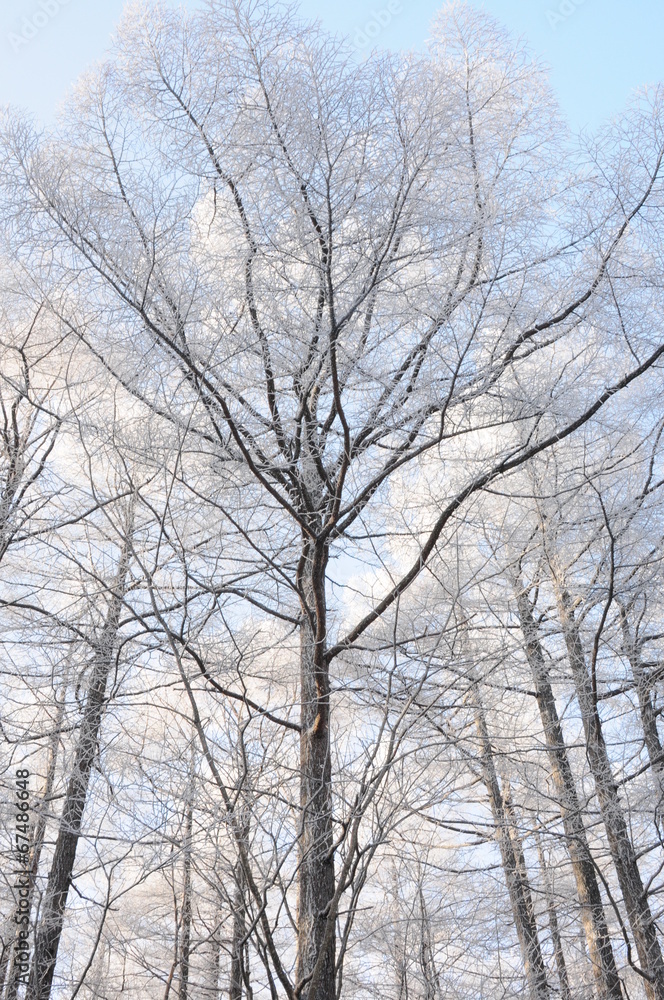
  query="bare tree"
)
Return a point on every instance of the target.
[
  {"x": 319, "y": 283},
  {"x": 583, "y": 865},
  {"x": 513, "y": 861},
  {"x": 62, "y": 866},
  {"x": 622, "y": 849}
]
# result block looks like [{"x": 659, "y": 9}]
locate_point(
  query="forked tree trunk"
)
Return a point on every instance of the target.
[
  {"x": 62, "y": 867},
  {"x": 620, "y": 845},
  {"x": 605, "y": 973},
  {"x": 517, "y": 885},
  {"x": 316, "y": 882}
]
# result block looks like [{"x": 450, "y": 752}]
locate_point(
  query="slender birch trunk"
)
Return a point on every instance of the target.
[
  {"x": 517, "y": 886},
  {"x": 593, "y": 918},
  {"x": 51, "y": 922},
  {"x": 622, "y": 850}
]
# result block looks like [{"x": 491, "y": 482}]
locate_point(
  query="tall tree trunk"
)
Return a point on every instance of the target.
[
  {"x": 517, "y": 845},
  {"x": 607, "y": 983},
  {"x": 399, "y": 941},
  {"x": 427, "y": 960},
  {"x": 316, "y": 881},
  {"x": 517, "y": 886},
  {"x": 646, "y": 707},
  {"x": 185, "y": 949},
  {"x": 49, "y": 931},
  {"x": 239, "y": 965},
  {"x": 620, "y": 845},
  {"x": 238, "y": 945},
  {"x": 214, "y": 967},
  {"x": 39, "y": 832},
  {"x": 554, "y": 927}
]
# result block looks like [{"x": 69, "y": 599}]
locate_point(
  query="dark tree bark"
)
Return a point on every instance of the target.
[
  {"x": 607, "y": 983},
  {"x": 316, "y": 885}
]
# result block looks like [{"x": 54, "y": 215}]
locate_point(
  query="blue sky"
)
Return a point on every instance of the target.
[{"x": 598, "y": 50}]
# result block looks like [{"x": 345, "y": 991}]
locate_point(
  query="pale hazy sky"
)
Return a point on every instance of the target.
[{"x": 598, "y": 50}]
